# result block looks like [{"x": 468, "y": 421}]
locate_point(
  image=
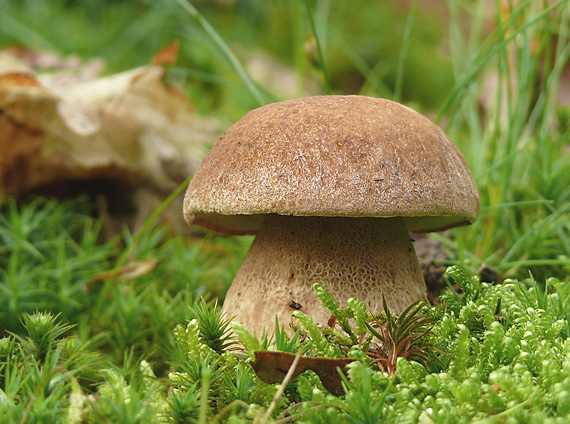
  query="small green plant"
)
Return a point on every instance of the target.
[
  {"x": 40, "y": 369},
  {"x": 384, "y": 337},
  {"x": 405, "y": 336},
  {"x": 214, "y": 328},
  {"x": 512, "y": 369},
  {"x": 48, "y": 254},
  {"x": 363, "y": 404},
  {"x": 53, "y": 258},
  {"x": 282, "y": 341},
  {"x": 43, "y": 330}
]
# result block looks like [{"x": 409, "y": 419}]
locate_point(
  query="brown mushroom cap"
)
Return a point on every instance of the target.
[{"x": 332, "y": 156}]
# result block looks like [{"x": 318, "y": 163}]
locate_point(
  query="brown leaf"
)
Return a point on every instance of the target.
[
  {"x": 17, "y": 79},
  {"x": 271, "y": 367},
  {"x": 168, "y": 55},
  {"x": 130, "y": 128},
  {"x": 130, "y": 271}
]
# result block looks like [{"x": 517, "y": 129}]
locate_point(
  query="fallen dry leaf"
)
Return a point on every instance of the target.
[
  {"x": 127, "y": 272},
  {"x": 168, "y": 55},
  {"x": 271, "y": 367},
  {"x": 131, "y": 127}
]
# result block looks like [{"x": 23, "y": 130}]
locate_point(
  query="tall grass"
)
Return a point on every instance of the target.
[{"x": 503, "y": 112}]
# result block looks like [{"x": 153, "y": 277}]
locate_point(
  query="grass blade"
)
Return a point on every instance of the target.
[
  {"x": 404, "y": 52},
  {"x": 322, "y": 66},
  {"x": 227, "y": 52}
]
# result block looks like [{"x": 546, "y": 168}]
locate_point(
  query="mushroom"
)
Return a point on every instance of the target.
[{"x": 330, "y": 185}]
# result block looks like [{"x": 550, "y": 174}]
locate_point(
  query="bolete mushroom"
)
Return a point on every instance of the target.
[{"x": 330, "y": 185}]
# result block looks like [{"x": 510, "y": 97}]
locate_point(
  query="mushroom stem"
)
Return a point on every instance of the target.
[{"x": 364, "y": 258}]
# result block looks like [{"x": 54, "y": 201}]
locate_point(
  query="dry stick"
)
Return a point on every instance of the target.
[
  {"x": 297, "y": 415},
  {"x": 230, "y": 407},
  {"x": 205, "y": 383},
  {"x": 282, "y": 387}
]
